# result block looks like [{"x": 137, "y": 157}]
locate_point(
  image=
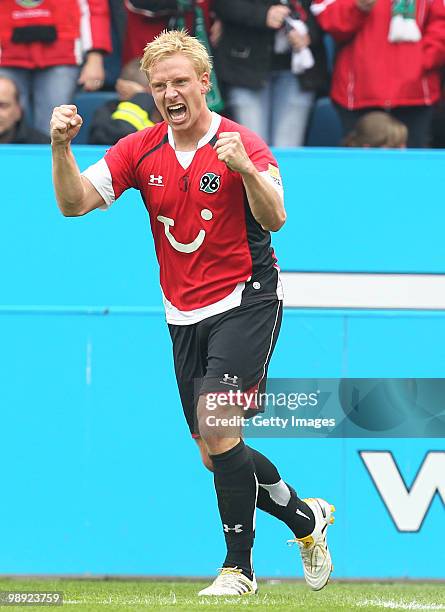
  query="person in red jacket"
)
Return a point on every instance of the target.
[
  {"x": 146, "y": 19},
  {"x": 389, "y": 57},
  {"x": 43, "y": 43}
]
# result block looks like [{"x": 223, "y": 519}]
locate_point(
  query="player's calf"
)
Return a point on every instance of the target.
[{"x": 236, "y": 488}]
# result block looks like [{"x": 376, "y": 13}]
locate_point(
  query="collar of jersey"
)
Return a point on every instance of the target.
[{"x": 214, "y": 125}]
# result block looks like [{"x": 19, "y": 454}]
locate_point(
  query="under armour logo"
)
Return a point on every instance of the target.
[
  {"x": 156, "y": 180},
  {"x": 236, "y": 529},
  {"x": 230, "y": 380}
]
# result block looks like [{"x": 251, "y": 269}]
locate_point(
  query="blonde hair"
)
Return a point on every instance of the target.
[
  {"x": 377, "y": 129},
  {"x": 170, "y": 42}
]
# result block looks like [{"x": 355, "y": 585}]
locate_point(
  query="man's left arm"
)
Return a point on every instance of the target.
[
  {"x": 265, "y": 200},
  {"x": 96, "y": 30},
  {"x": 95, "y": 34}
]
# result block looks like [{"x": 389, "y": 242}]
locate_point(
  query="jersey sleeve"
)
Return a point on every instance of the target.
[
  {"x": 263, "y": 160},
  {"x": 114, "y": 173}
]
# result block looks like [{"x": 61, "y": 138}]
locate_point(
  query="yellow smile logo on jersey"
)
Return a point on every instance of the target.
[{"x": 210, "y": 183}]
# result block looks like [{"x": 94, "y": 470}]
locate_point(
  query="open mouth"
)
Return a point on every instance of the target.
[{"x": 177, "y": 112}]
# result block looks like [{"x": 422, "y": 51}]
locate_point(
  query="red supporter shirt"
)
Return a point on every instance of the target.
[
  {"x": 142, "y": 29},
  {"x": 213, "y": 255},
  {"x": 81, "y": 26}
]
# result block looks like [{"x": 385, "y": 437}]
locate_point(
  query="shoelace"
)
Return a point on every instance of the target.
[
  {"x": 295, "y": 541},
  {"x": 228, "y": 574},
  {"x": 229, "y": 570},
  {"x": 305, "y": 552}
]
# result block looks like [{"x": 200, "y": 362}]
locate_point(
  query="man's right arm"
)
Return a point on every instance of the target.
[{"x": 75, "y": 194}]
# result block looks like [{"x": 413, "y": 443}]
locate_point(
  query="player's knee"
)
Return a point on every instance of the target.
[
  {"x": 208, "y": 463},
  {"x": 218, "y": 444},
  {"x": 209, "y": 439},
  {"x": 219, "y": 424},
  {"x": 213, "y": 438},
  {"x": 204, "y": 454}
]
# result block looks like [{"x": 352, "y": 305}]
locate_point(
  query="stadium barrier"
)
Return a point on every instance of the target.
[{"x": 99, "y": 473}]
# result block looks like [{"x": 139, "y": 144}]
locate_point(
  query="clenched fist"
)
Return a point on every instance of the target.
[
  {"x": 65, "y": 124},
  {"x": 230, "y": 149},
  {"x": 276, "y": 15}
]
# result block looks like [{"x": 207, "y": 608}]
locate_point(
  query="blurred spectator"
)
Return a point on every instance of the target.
[
  {"x": 438, "y": 123},
  {"x": 13, "y": 129},
  {"x": 389, "y": 57},
  {"x": 272, "y": 59},
  {"x": 118, "y": 16},
  {"x": 132, "y": 111},
  {"x": 44, "y": 42},
  {"x": 147, "y": 18},
  {"x": 377, "y": 130},
  {"x": 113, "y": 61}
]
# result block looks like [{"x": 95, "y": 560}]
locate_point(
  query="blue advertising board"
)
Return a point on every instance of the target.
[{"x": 94, "y": 444}]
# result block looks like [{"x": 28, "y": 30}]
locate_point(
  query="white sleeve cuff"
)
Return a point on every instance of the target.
[
  {"x": 274, "y": 182},
  {"x": 99, "y": 176}
]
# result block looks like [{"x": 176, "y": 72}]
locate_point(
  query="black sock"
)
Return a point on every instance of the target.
[
  {"x": 236, "y": 488},
  {"x": 279, "y": 499}
]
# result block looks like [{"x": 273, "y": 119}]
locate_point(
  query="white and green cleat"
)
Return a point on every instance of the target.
[
  {"x": 317, "y": 563},
  {"x": 231, "y": 582}
]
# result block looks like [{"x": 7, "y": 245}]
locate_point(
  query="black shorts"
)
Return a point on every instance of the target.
[{"x": 227, "y": 352}]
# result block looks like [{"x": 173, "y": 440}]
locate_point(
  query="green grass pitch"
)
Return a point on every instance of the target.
[{"x": 114, "y": 595}]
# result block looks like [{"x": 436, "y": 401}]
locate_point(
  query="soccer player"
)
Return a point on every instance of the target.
[{"x": 213, "y": 193}]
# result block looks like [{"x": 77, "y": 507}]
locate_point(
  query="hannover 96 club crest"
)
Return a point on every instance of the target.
[{"x": 210, "y": 183}]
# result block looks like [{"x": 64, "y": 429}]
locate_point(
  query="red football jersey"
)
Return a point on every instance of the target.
[{"x": 213, "y": 254}]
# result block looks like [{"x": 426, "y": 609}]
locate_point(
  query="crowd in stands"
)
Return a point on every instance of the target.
[{"x": 379, "y": 62}]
